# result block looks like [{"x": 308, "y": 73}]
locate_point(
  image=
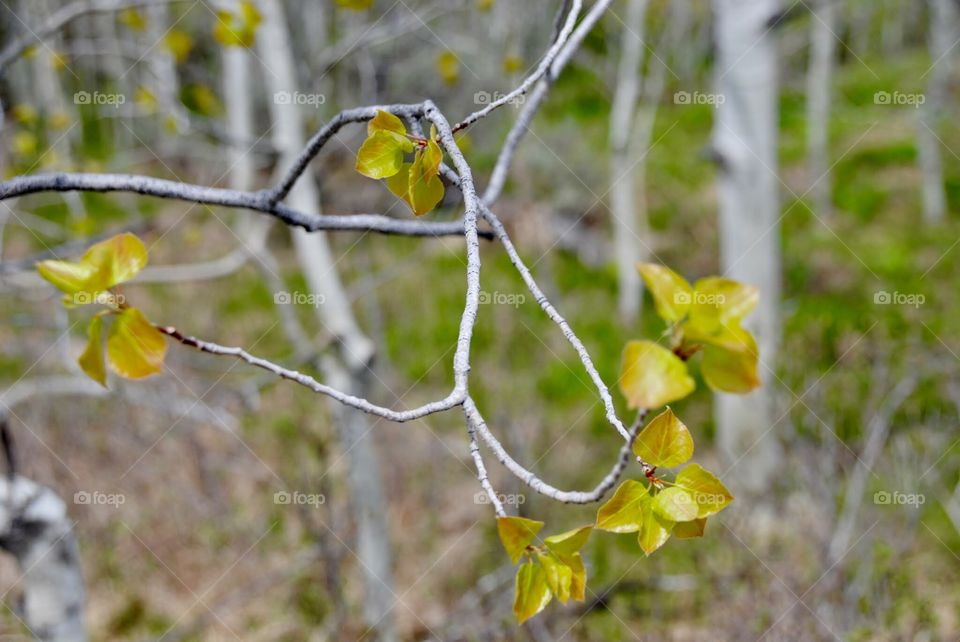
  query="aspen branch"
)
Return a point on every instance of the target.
[{"x": 545, "y": 64}]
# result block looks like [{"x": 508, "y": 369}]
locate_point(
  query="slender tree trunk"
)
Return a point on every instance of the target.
[
  {"x": 942, "y": 38},
  {"x": 35, "y": 529},
  {"x": 745, "y": 144},
  {"x": 823, "y": 47},
  {"x": 349, "y": 370},
  {"x": 628, "y": 225}
]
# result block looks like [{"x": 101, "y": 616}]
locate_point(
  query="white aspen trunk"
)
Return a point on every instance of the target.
[
  {"x": 823, "y": 47},
  {"x": 35, "y": 529},
  {"x": 373, "y": 536},
  {"x": 163, "y": 67},
  {"x": 628, "y": 224},
  {"x": 745, "y": 144},
  {"x": 942, "y": 38}
]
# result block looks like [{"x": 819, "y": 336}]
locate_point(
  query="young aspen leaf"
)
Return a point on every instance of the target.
[
  {"x": 675, "y": 504},
  {"x": 655, "y": 530},
  {"x": 569, "y": 542},
  {"x": 380, "y": 156},
  {"x": 665, "y": 442},
  {"x": 516, "y": 533},
  {"x": 448, "y": 66},
  {"x": 578, "y": 587},
  {"x": 721, "y": 302},
  {"x": 91, "y": 361},
  {"x": 532, "y": 594},
  {"x": 623, "y": 513},
  {"x": 691, "y": 529},
  {"x": 672, "y": 294},
  {"x": 135, "y": 348},
  {"x": 559, "y": 575},
  {"x": 652, "y": 376},
  {"x": 102, "y": 266},
  {"x": 731, "y": 370},
  {"x": 417, "y": 183},
  {"x": 239, "y": 30},
  {"x": 708, "y": 493}
]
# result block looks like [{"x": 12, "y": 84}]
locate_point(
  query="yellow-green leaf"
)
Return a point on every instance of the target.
[
  {"x": 569, "y": 542},
  {"x": 652, "y": 376},
  {"x": 426, "y": 188},
  {"x": 675, "y": 504},
  {"x": 672, "y": 294},
  {"x": 516, "y": 533},
  {"x": 132, "y": 19},
  {"x": 707, "y": 492},
  {"x": 102, "y": 266},
  {"x": 655, "y": 531},
  {"x": 623, "y": 513},
  {"x": 664, "y": 442},
  {"x": 448, "y": 66},
  {"x": 399, "y": 183},
  {"x": 731, "y": 371},
  {"x": 178, "y": 43},
  {"x": 725, "y": 300},
  {"x": 578, "y": 586},
  {"x": 380, "y": 156},
  {"x": 91, "y": 361},
  {"x": 689, "y": 530},
  {"x": 384, "y": 121},
  {"x": 135, "y": 348},
  {"x": 70, "y": 277},
  {"x": 559, "y": 576},
  {"x": 532, "y": 594}
]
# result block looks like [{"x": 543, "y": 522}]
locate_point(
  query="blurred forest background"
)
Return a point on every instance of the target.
[{"x": 855, "y": 532}]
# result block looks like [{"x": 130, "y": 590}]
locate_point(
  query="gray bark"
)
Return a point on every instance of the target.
[
  {"x": 823, "y": 47},
  {"x": 745, "y": 144},
  {"x": 349, "y": 368},
  {"x": 943, "y": 32},
  {"x": 627, "y": 219},
  {"x": 35, "y": 529}
]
